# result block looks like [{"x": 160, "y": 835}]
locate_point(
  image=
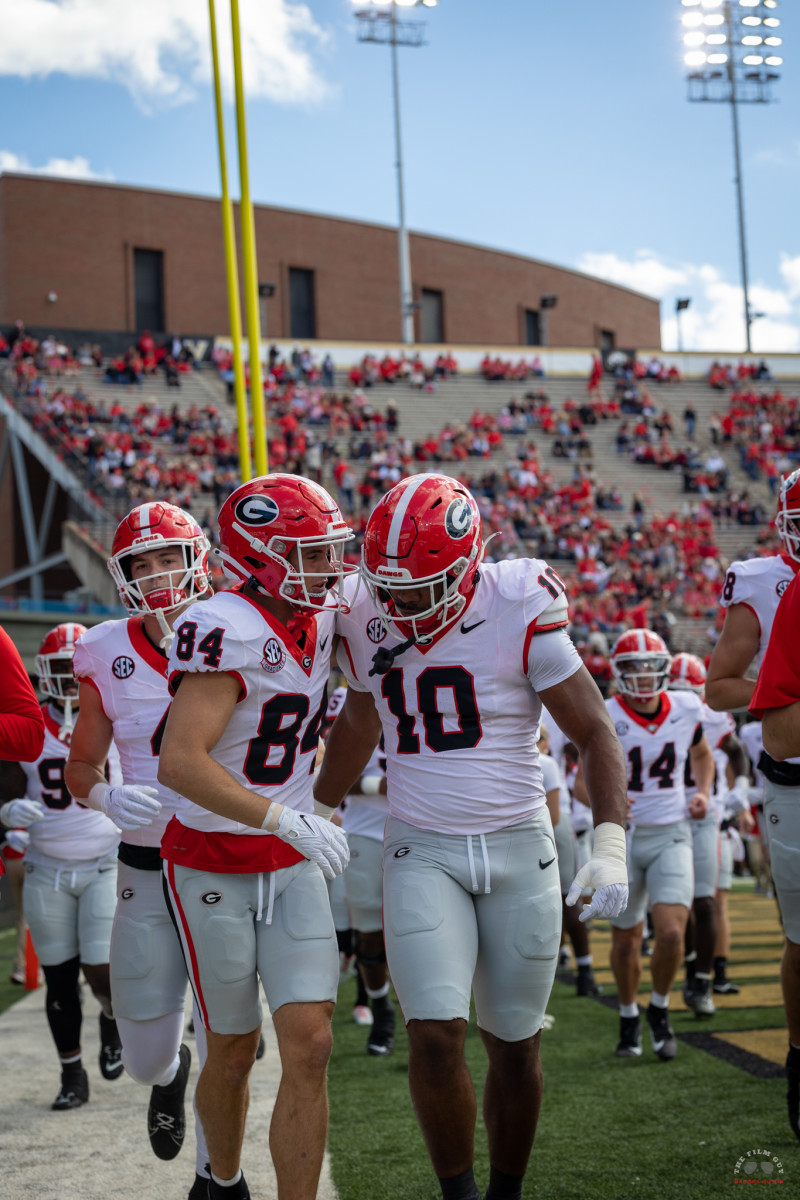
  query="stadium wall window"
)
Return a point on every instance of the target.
[
  {"x": 533, "y": 332},
  {"x": 432, "y": 316},
  {"x": 302, "y": 317},
  {"x": 607, "y": 339},
  {"x": 148, "y": 285}
]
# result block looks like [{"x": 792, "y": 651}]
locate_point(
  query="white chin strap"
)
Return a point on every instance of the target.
[
  {"x": 168, "y": 633},
  {"x": 67, "y": 724}
]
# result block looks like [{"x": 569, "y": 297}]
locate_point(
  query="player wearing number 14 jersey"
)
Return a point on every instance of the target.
[
  {"x": 159, "y": 561},
  {"x": 658, "y": 731},
  {"x": 452, "y": 661}
]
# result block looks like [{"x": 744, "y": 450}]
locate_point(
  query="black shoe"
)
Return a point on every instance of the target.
[
  {"x": 262, "y": 1048},
  {"x": 793, "y": 1090},
  {"x": 380, "y": 1042},
  {"x": 688, "y": 991},
  {"x": 665, "y": 1043},
  {"x": 724, "y": 987},
  {"x": 630, "y": 1038},
  {"x": 74, "y": 1090},
  {"x": 166, "y": 1118},
  {"x": 110, "y": 1049},
  {"x": 587, "y": 984},
  {"x": 199, "y": 1189},
  {"x": 239, "y": 1191}
]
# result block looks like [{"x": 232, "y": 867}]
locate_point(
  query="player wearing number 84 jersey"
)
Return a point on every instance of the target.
[{"x": 453, "y": 670}]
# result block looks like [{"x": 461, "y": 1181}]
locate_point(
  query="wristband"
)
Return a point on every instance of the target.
[
  {"x": 741, "y": 784},
  {"x": 272, "y": 816},
  {"x": 96, "y": 797},
  {"x": 370, "y": 785},
  {"x": 609, "y": 839},
  {"x": 323, "y": 810}
]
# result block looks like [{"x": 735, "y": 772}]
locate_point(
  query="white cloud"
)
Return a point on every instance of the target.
[
  {"x": 67, "y": 168},
  {"x": 715, "y": 318},
  {"x": 159, "y": 50}
]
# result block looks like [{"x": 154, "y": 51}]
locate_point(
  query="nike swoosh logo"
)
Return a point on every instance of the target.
[
  {"x": 547, "y": 864},
  {"x": 469, "y": 628},
  {"x": 322, "y": 645},
  {"x": 672, "y": 720}
]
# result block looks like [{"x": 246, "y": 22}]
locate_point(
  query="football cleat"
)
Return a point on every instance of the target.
[
  {"x": 380, "y": 1043},
  {"x": 662, "y": 1034},
  {"x": 166, "y": 1117},
  {"x": 74, "y": 1090},
  {"x": 199, "y": 1189},
  {"x": 630, "y": 1038},
  {"x": 702, "y": 1001},
  {"x": 362, "y": 1014},
  {"x": 587, "y": 984},
  {"x": 688, "y": 991},
  {"x": 724, "y": 987},
  {"x": 110, "y": 1049}
]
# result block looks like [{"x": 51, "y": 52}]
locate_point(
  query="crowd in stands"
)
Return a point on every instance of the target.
[
  {"x": 654, "y": 568},
  {"x": 494, "y": 368}
]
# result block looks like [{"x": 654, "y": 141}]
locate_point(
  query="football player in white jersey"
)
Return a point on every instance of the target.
[
  {"x": 472, "y": 902},
  {"x": 250, "y": 669},
  {"x": 70, "y": 878},
  {"x": 159, "y": 562},
  {"x": 658, "y": 730},
  {"x": 710, "y": 851}
]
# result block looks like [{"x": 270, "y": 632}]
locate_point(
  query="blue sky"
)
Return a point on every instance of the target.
[{"x": 558, "y": 130}]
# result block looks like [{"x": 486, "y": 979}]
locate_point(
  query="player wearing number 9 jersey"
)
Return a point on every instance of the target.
[
  {"x": 69, "y": 890},
  {"x": 658, "y": 730},
  {"x": 159, "y": 561},
  {"x": 245, "y": 857},
  {"x": 452, "y": 661}
]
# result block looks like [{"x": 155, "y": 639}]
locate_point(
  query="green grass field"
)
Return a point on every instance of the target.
[{"x": 610, "y": 1129}]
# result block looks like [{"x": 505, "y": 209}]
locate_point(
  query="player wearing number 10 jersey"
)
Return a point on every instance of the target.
[
  {"x": 160, "y": 563},
  {"x": 452, "y": 661}
]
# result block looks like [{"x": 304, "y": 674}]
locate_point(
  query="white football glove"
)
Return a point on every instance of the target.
[
  {"x": 738, "y": 798},
  {"x": 315, "y": 838},
  {"x": 128, "y": 807},
  {"x": 18, "y": 814},
  {"x": 606, "y": 872},
  {"x": 18, "y": 839}
]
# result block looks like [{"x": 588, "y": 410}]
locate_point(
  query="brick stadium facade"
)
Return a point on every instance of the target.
[{"x": 85, "y": 243}]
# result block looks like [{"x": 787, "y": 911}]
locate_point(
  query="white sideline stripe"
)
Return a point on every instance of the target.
[{"x": 396, "y": 527}]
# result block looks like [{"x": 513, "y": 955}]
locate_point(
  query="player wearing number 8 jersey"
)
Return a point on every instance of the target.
[
  {"x": 454, "y": 671},
  {"x": 246, "y": 858},
  {"x": 658, "y": 731},
  {"x": 160, "y": 563}
]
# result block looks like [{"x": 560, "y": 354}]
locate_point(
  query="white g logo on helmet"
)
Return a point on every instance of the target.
[
  {"x": 458, "y": 518},
  {"x": 256, "y": 510}
]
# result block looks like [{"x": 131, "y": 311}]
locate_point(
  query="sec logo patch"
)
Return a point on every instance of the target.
[
  {"x": 123, "y": 667},
  {"x": 274, "y": 656},
  {"x": 375, "y": 630},
  {"x": 781, "y": 587}
]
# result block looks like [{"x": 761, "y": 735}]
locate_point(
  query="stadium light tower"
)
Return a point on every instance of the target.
[
  {"x": 732, "y": 50},
  {"x": 378, "y": 22}
]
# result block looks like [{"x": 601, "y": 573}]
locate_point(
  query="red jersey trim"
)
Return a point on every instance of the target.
[
  {"x": 790, "y": 562},
  {"x": 91, "y": 683},
  {"x": 225, "y": 853},
  {"x": 529, "y": 632},
  {"x": 346, "y": 645},
  {"x": 286, "y": 637},
  {"x": 644, "y": 719},
  {"x": 144, "y": 647}
]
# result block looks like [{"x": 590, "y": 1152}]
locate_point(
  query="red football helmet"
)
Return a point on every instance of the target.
[
  {"x": 424, "y": 533},
  {"x": 159, "y": 526},
  {"x": 54, "y": 660},
  {"x": 787, "y": 521},
  {"x": 263, "y": 521},
  {"x": 687, "y": 674},
  {"x": 640, "y": 663}
]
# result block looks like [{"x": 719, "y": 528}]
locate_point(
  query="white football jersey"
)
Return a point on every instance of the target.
[
  {"x": 716, "y": 727},
  {"x": 759, "y": 583},
  {"x": 270, "y": 743},
  {"x": 366, "y": 815},
  {"x": 656, "y": 749},
  {"x": 67, "y": 831},
  {"x": 130, "y": 676},
  {"x": 460, "y": 714},
  {"x": 751, "y": 738}
]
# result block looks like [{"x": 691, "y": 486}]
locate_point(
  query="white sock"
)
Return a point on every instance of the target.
[
  {"x": 629, "y": 1010},
  {"x": 585, "y": 960},
  {"x": 227, "y": 1182},
  {"x": 659, "y": 1001},
  {"x": 65, "y": 1062},
  {"x": 378, "y": 993},
  {"x": 702, "y": 975}
]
